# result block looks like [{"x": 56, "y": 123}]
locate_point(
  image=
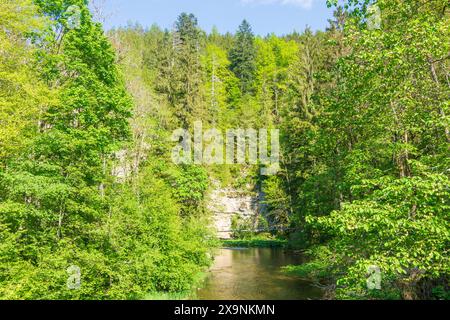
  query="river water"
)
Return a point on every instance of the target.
[{"x": 255, "y": 274}]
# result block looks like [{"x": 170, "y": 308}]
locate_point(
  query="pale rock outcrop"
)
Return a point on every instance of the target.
[{"x": 224, "y": 203}]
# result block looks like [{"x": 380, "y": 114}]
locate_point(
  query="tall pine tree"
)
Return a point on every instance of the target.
[{"x": 242, "y": 57}]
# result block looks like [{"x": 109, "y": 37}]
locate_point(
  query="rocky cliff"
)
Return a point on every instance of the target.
[{"x": 225, "y": 203}]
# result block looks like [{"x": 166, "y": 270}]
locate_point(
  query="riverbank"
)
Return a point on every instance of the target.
[
  {"x": 183, "y": 295},
  {"x": 254, "y": 243}
]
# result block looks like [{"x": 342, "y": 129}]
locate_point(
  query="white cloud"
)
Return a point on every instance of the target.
[{"x": 300, "y": 3}]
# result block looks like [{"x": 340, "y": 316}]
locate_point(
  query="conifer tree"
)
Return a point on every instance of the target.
[{"x": 242, "y": 57}]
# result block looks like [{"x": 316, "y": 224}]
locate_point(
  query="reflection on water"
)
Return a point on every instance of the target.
[{"x": 255, "y": 274}]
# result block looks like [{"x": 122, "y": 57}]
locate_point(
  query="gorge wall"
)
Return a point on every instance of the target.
[{"x": 226, "y": 203}]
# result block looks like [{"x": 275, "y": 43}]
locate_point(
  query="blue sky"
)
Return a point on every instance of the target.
[{"x": 265, "y": 16}]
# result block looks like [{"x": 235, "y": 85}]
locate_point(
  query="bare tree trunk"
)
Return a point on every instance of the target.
[
  {"x": 60, "y": 221},
  {"x": 102, "y": 184},
  {"x": 441, "y": 111}
]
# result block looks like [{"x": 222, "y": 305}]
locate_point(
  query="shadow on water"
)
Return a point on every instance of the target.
[{"x": 255, "y": 274}]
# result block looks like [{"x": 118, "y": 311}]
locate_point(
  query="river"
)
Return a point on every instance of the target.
[{"x": 255, "y": 274}]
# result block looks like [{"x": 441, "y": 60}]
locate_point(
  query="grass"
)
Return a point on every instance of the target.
[
  {"x": 183, "y": 295},
  {"x": 254, "y": 243},
  {"x": 168, "y": 296}
]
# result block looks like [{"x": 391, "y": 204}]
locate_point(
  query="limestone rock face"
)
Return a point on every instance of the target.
[{"x": 225, "y": 203}]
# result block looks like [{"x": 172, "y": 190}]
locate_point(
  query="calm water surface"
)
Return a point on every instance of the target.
[{"x": 255, "y": 274}]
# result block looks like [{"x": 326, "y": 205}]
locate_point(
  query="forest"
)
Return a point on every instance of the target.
[{"x": 88, "y": 188}]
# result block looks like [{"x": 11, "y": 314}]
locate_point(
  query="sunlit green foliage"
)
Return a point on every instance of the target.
[
  {"x": 372, "y": 171},
  {"x": 86, "y": 177},
  {"x": 22, "y": 95}
]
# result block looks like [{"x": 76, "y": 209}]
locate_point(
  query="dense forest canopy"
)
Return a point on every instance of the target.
[{"x": 87, "y": 184}]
